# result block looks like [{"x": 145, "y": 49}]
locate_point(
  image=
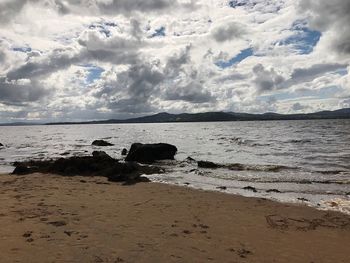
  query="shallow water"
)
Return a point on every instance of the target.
[{"x": 302, "y": 159}]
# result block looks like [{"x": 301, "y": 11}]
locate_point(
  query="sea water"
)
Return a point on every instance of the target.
[{"x": 306, "y": 161}]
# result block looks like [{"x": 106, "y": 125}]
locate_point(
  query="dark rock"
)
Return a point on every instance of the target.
[
  {"x": 1, "y": 145},
  {"x": 101, "y": 143},
  {"x": 124, "y": 152},
  {"x": 222, "y": 187},
  {"x": 273, "y": 191},
  {"x": 21, "y": 169},
  {"x": 58, "y": 223},
  {"x": 250, "y": 188},
  {"x": 99, "y": 164},
  {"x": 205, "y": 164},
  {"x": 148, "y": 153},
  {"x": 190, "y": 159},
  {"x": 128, "y": 174},
  {"x": 101, "y": 154},
  {"x": 303, "y": 199}
]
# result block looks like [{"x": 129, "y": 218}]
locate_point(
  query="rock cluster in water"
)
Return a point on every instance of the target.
[
  {"x": 241, "y": 167},
  {"x": 101, "y": 164},
  {"x": 130, "y": 170}
]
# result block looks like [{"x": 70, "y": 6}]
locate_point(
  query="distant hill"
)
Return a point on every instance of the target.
[
  {"x": 20, "y": 124},
  {"x": 222, "y": 116}
]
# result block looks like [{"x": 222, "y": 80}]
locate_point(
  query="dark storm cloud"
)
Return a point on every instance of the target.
[
  {"x": 58, "y": 59},
  {"x": 40, "y": 66},
  {"x": 192, "y": 92},
  {"x": 190, "y": 88},
  {"x": 117, "y": 51},
  {"x": 136, "y": 88},
  {"x": 266, "y": 80},
  {"x": 175, "y": 63},
  {"x": 330, "y": 15},
  {"x": 9, "y": 9},
  {"x": 2, "y": 57},
  {"x": 18, "y": 94},
  {"x": 228, "y": 32},
  {"x": 137, "y": 84},
  {"x": 126, "y": 6},
  {"x": 300, "y": 75},
  {"x": 298, "y": 107}
]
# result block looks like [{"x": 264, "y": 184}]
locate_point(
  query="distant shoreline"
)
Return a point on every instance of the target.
[{"x": 164, "y": 117}]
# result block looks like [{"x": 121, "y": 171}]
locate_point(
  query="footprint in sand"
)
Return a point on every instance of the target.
[
  {"x": 27, "y": 234},
  {"x": 58, "y": 223},
  {"x": 243, "y": 253}
]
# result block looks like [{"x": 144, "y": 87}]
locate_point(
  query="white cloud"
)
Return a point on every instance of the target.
[{"x": 48, "y": 50}]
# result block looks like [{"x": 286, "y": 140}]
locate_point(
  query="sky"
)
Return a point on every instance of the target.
[{"x": 76, "y": 60}]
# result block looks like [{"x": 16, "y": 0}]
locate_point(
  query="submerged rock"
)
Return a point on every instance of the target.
[
  {"x": 303, "y": 199},
  {"x": 273, "y": 191},
  {"x": 124, "y": 152},
  {"x": 250, "y": 188},
  {"x": 148, "y": 153},
  {"x": 101, "y": 143},
  {"x": 206, "y": 164},
  {"x": 189, "y": 159},
  {"x": 100, "y": 154}
]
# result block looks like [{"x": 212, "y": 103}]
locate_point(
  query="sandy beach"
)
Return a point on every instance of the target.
[{"x": 48, "y": 218}]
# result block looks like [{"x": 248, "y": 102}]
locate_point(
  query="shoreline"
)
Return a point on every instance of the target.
[
  {"x": 273, "y": 192},
  {"x": 51, "y": 218}
]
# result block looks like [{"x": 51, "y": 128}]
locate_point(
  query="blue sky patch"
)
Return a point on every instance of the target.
[
  {"x": 245, "y": 53},
  {"x": 236, "y": 3},
  {"x": 160, "y": 32},
  {"x": 304, "y": 39},
  {"x": 94, "y": 73},
  {"x": 103, "y": 28},
  {"x": 22, "y": 49},
  {"x": 342, "y": 72}
]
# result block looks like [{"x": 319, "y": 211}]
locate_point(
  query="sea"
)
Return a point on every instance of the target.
[{"x": 298, "y": 161}]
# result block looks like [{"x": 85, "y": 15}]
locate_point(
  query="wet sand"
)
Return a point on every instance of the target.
[{"x": 48, "y": 218}]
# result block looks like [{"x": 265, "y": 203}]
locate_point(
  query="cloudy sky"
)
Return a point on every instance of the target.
[{"x": 97, "y": 59}]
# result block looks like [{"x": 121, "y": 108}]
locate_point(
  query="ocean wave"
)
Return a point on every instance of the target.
[
  {"x": 299, "y": 141},
  {"x": 257, "y": 168},
  {"x": 241, "y": 141},
  {"x": 281, "y": 180}
]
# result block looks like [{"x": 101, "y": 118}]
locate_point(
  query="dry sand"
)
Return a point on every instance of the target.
[{"x": 73, "y": 219}]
